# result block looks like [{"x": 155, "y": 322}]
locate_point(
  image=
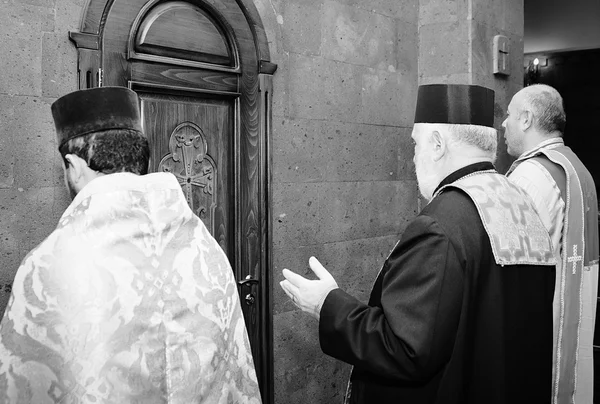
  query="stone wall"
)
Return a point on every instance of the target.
[
  {"x": 38, "y": 65},
  {"x": 343, "y": 178}
]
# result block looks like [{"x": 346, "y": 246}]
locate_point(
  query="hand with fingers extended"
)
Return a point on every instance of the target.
[{"x": 307, "y": 294}]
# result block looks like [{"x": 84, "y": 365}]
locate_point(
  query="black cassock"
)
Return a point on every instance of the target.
[{"x": 445, "y": 323}]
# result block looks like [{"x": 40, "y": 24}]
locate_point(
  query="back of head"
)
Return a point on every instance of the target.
[
  {"x": 547, "y": 107},
  {"x": 483, "y": 138},
  {"x": 464, "y": 112},
  {"x": 111, "y": 151},
  {"x": 103, "y": 127}
]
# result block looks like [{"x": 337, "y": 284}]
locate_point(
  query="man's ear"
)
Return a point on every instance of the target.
[
  {"x": 439, "y": 145},
  {"x": 526, "y": 119},
  {"x": 77, "y": 166}
]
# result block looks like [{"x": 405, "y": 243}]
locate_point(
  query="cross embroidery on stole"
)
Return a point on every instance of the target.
[{"x": 575, "y": 258}]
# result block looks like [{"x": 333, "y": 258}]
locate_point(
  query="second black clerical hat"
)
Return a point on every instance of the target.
[
  {"x": 94, "y": 110},
  {"x": 461, "y": 104}
]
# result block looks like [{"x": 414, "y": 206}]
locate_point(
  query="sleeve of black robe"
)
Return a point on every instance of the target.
[{"x": 411, "y": 336}]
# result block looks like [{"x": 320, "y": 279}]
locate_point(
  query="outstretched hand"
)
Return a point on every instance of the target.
[{"x": 307, "y": 294}]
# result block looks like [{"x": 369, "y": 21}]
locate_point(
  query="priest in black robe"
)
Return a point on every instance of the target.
[{"x": 461, "y": 311}]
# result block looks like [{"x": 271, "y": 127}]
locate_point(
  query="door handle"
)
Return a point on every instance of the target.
[{"x": 248, "y": 281}]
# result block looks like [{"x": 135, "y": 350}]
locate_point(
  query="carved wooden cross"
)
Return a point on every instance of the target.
[{"x": 192, "y": 166}]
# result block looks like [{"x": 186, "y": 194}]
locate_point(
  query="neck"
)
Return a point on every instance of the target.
[
  {"x": 536, "y": 137},
  {"x": 462, "y": 160}
]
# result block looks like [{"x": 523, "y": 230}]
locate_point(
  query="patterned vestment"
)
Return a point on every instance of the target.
[
  {"x": 577, "y": 269},
  {"x": 129, "y": 300}
]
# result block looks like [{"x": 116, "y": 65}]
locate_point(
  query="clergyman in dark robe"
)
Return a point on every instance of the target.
[{"x": 461, "y": 311}]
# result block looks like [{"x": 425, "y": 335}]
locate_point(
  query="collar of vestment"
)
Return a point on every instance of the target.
[
  {"x": 461, "y": 172},
  {"x": 117, "y": 182},
  {"x": 516, "y": 233},
  {"x": 546, "y": 144}
]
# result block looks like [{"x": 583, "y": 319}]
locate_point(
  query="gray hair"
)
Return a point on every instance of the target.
[
  {"x": 481, "y": 137},
  {"x": 547, "y": 107}
]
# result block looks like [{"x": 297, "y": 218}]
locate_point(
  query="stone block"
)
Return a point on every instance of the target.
[
  {"x": 327, "y": 381},
  {"x": 406, "y": 153},
  {"x": 407, "y": 11},
  {"x": 300, "y": 150},
  {"x": 361, "y": 152},
  {"x": 443, "y": 11},
  {"x": 281, "y": 90},
  {"x": 352, "y": 210},
  {"x": 296, "y": 214},
  {"x": 336, "y": 91},
  {"x": 359, "y": 37},
  {"x": 514, "y": 17},
  {"x": 9, "y": 242},
  {"x": 307, "y": 213},
  {"x": 457, "y": 78},
  {"x": 482, "y": 38},
  {"x": 301, "y": 369},
  {"x": 302, "y": 26},
  {"x": 314, "y": 151},
  {"x": 516, "y": 59},
  {"x": 27, "y": 217},
  {"x": 31, "y": 215},
  {"x": 488, "y": 12},
  {"x": 295, "y": 345},
  {"x": 408, "y": 48},
  {"x": 505, "y": 15},
  {"x": 354, "y": 264},
  {"x": 68, "y": 16},
  {"x": 323, "y": 89},
  {"x": 59, "y": 65},
  {"x": 21, "y": 27},
  {"x": 444, "y": 49},
  {"x": 483, "y": 54},
  {"x": 29, "y": 121},
  {"x": 7, "y": 156},
  {"x": 388, "y": 98}
]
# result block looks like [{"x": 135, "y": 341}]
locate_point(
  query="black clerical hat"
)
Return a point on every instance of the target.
[
  {"x": 96, "y": 109},
  {"x": 455, "y": 104}
]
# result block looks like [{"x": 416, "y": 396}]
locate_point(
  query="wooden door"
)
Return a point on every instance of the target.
[
  {"x": 192, "y": 138},
  {"x": 201, "y": 70}
]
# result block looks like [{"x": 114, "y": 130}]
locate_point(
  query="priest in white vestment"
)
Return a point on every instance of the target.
[{"x": 129, "y": 299}]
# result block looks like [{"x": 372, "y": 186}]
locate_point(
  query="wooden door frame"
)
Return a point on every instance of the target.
[{"x": 89, "y": 43}]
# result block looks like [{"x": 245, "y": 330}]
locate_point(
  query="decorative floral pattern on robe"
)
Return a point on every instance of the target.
[{"x": 129, "y": 300}]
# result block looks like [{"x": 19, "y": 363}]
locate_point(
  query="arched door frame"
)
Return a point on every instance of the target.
[{"x": 257, "y": 228}]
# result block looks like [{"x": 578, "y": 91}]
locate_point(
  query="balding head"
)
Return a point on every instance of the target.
[
  {"x": 547, "y": 107},
  {"x": 535, "y": 114}
]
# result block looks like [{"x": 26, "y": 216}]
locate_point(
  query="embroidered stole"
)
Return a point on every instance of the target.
[
  {"x": 576, "y": 288},
  {"x": 517, "y": 234}
]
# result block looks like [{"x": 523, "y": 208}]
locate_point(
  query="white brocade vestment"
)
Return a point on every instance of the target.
[{"x": 129, "y": 300}]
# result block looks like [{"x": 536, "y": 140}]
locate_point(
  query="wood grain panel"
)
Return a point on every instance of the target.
[
  {"x": 184, "y": 76},
  {"x": 162, "y": 114},
  {"x": 95, "y": 15},
  {"x": 172, "y": 29}
]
